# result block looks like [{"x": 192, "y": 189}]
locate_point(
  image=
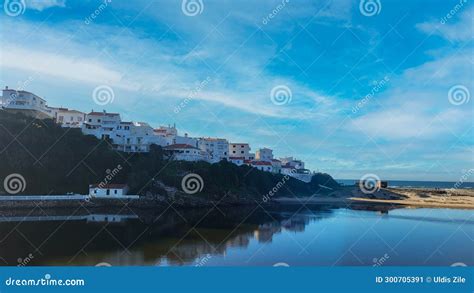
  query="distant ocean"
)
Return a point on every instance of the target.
[{"x": 419, "y": 184}]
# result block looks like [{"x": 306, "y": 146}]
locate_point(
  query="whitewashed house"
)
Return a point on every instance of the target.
[
  {"x": 108, "y": 190},
  {"x": 101, "y": 124},
  {"x": 240, "y": 150},
  {"x": 290, "y": 161},
  {"x": 276, "y": 166},
  {"x": 239, "y": 161},
  {"x": 185, "y": 152},
  {"x": 68, "y": 118},
  {"x": 133, "y": 137},
  {"x": 262, "y": 165},
  {"x": 217, "y": 148},
  {"x": 25, "y": 102},
  {"x": 264, "y": 154}
]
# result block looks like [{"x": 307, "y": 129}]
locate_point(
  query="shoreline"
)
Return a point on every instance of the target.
[
  {"x": 402, "y": 197},
  {"x": 346, "y": 196}
]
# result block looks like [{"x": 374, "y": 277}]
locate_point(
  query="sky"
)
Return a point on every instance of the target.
[{"x": 350, "y": 87}]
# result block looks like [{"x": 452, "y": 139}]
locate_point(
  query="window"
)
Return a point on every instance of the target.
[
  {"x": 108, "y": 191},
  {"x": 233, "y": 152},
  {"x": 115, "y": 191},
  {"x": 98, "y": 120},
  {"x": 242, "y": 152},
  {"x": 90, "y": 120}
]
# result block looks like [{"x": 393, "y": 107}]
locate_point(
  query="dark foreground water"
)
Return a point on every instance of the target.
[{"x": 294, "y": 236}]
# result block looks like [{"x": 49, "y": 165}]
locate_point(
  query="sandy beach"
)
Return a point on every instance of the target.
[{"x": 416, "y": 197}]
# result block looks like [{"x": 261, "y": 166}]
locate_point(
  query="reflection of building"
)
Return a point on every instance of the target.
[
  {"x": 109, "y": 218},
  {"x": 265, "y": 232},
  {"x": 296, "y": 223}
]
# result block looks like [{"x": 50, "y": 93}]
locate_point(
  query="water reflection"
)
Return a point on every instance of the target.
[{"x": 318, "y": 235}]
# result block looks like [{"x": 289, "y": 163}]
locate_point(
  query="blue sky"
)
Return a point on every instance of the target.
[{"x": 369, "y": 93}]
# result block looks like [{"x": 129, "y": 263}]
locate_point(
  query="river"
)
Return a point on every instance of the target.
[{"x": 239, "y": 236}]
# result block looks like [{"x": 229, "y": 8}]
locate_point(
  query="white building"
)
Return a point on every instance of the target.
[
  {"x": 264, "y": 154},
  {"x": 185, "y": 140},
  {"x": 25, "y": 102},
  {"x": 108, "y": 190},
  {"x": 217, "y": 148},
  {"x": 101, "y": 124},
  {"x": 276, "y": 166},
  {"x": 134, "y": 137},
  {"x": 262, "y": 165},
  {"x": 68, "y": 118},
  {"x": 290, "y": 161},
  {"x": 239, "y": 161},
  {"x": 240, "y": 150},
  {"x": 185, "y": 152}
]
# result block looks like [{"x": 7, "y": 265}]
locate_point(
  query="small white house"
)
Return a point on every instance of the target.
[
  {"x": 239, "y": 161},
  {"x": 108, "y": 190},
  {"x": 185, "y": 152},
  {"x": 264, "y": 154}
]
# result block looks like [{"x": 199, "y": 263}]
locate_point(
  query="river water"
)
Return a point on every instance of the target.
[{"x": 239, "y": 236}]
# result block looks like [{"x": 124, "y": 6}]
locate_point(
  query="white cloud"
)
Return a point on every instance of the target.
[
  {"x": 456, "y": 28},
  {"x": 41, "y": 5}
]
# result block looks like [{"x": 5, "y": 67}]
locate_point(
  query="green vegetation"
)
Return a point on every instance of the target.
[{"x": 55, "y": 160}]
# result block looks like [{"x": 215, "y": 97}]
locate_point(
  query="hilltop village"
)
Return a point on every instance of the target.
[{"x": 130, "y": 136}]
